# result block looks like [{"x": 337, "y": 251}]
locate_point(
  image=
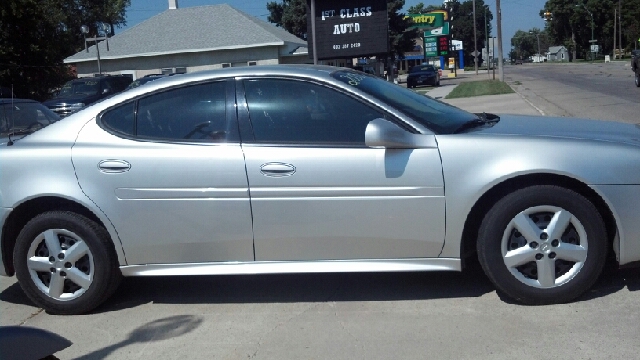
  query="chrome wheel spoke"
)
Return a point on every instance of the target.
[
  {"x": 39, "y": 264},
  {"x": 558, "y": 224},
  {"x": 519, "y": 256},
  {"x": 77, "y": 251},
  {"x": 570, "y": 252},
  {"x": 527, "y": 227},
  {"x": 546, "y": 272},
  {"x": 81, "y": 279},
  {"x": 56, "y": 285},
  {"x": 52, "y": 241}
]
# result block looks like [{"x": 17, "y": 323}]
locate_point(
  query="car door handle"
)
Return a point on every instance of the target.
[
  {"x": 114, "y": 166},
  {"x": 277, "y": 169}
]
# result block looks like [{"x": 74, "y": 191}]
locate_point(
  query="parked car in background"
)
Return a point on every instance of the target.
[
  {"x": 420, "y": 75},
  {"x": 312, "y": 169},
  {"x": 18, "y": 116},
  {"x": 78, "y": 93},
  {"x": 518, "y": 62}
]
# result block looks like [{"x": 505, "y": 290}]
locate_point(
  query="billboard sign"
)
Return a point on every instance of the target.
[
  {"x": 348, "y": 28},
  {"x": 442, "y": 30}
]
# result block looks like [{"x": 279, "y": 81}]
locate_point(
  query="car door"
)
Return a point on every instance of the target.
[
  {"x": 168, "y": 171},
  {"x": 318, "y": 193}
]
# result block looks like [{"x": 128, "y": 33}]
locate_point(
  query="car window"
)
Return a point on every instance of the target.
[
  {"x": 435, "y": 115},
  {"x": 422, "y": 68},
  {"x": 193, "y": 113},
  {"x": 299, "y": 112},
  {"x": 120, "y": 119},
  {"x": 25, "y": 116}
]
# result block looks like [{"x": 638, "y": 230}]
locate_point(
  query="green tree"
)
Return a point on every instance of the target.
[
  {"x": 37, "y": 35},
  {"x": 290, "y": 15},
  {"x": 571, "y": 24}
]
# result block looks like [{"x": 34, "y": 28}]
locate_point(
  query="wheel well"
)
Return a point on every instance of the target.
[
  {"x": 484, "y": 204},
  {"x": 27, "y": 211}
]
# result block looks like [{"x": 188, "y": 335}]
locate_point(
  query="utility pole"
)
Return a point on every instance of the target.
[
  {"x": 615, "y": 29},
  {"x": 486, "y": 33},
  {"x": 620, "y": 27},
  {"x": 500, "y": 56},
  {"x": 475, "y": 38}
]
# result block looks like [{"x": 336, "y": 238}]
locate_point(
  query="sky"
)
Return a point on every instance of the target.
[{"x": 516, "y": 14}]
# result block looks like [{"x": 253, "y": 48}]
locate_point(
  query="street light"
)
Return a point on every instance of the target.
[
  {"x": 106, "y": 30},
  {"x": 537, "y": 37},
  {"x": 592, "y": 24}
]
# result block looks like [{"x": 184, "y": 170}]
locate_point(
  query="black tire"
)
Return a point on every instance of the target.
[
  {"x": 94, "y": 263},
  {"x": 638, "y": 78},
  {"x": 583, "y": 237}
]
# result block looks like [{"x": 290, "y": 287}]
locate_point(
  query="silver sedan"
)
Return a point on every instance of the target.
[{"x": 303, "y": 169}]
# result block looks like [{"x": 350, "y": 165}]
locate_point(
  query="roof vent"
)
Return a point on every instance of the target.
[{"x": 173, "y": 4}]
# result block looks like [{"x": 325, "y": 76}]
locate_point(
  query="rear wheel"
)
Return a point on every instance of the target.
[
  {"x": 65, "y": 263},
  {"x": 638, "y": 78},
  {"x": 543, "y": 245}
]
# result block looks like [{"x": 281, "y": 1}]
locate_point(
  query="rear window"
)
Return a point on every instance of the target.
[
  {"x": 30, "y": 116},
  {"x": 422, "y": 68}
]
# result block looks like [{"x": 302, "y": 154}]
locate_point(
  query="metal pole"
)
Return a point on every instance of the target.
[
  {"x": 615, "y": 28},
  {"x": 499, "y": 23},
  {"x": 475, "y": 38},
  {"x": 98, "y": 51},
  {"x": 486, "y": 32},
  {"x": 539, "y": 54},
  {"x": 313, "y": 32}
]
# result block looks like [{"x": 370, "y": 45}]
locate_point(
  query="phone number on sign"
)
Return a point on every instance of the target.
[{"x": 346, "y": 46}]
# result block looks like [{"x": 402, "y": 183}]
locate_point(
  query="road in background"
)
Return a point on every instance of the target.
[{"x": 593, "y": 91}]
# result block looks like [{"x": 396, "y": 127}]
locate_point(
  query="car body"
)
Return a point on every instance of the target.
[
  {"x": 301, "y": 169},
  {"x": 18, "y": 115},
  {"x": 78, "y": 93},
  {"x": 635, "y": 65},
  {"x": 420, "y": 75},
  {"x": 518, "y": 62}
]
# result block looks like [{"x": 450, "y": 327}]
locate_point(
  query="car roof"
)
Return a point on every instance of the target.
[{"x": 13, "y": 101}]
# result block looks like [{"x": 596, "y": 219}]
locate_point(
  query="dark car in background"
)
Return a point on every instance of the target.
[
  {"x": 423, "y": 75},
  {"x": 78, "y": 93},
  {"x": 20, "y": 116}
]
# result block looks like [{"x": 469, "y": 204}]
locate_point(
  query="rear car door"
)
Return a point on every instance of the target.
[
  {"x": 168, "y": 171},
  {"x": 318, "y": 193}
]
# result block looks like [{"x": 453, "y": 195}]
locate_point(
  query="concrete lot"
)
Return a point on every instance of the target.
[{"x": 343, "y": 316}]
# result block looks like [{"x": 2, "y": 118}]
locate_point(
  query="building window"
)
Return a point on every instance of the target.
[
  {"x": 167, "y": 71},
  {"x": 252, "y": 63},
  {"x": 226, "y": 65},
  {"x": 181, "y": 70}
]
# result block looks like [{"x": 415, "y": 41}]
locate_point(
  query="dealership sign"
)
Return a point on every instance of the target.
[{"x": 348, "y": 28}]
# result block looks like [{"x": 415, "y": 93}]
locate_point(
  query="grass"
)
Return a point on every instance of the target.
[{"x": 480, "y": 88}]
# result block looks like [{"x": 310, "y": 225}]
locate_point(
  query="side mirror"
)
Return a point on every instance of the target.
[{"x": 381, "y": 133}]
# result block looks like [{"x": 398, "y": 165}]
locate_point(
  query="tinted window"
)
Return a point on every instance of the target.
[
  {"x": 120, "y": 119},
  {"x": 422, "y": 68},
  {"x": 437, "y": 116},
  {"x": 25, "y": 116},
  {"x": 288, "y": 111},
  {"x": 89, "y": 86},
  {"x": 194, "y": 113}
]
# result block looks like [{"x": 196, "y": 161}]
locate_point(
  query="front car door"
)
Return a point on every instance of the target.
[
  {"x": 318, "y": 193},
  {"x": 168, "y": 171}
]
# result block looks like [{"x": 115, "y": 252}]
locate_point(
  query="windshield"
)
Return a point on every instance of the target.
[
  {"x": 24, "y": 117},
  {"x": 80, "y": 87},
  {"x": 441, "y": 118}
]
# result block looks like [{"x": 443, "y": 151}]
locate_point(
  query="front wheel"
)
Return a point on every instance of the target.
[
  {"x": 65, "y": 263},
  {"x": 542, "y": 245},
  {"x": 638, "y": 78}
]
